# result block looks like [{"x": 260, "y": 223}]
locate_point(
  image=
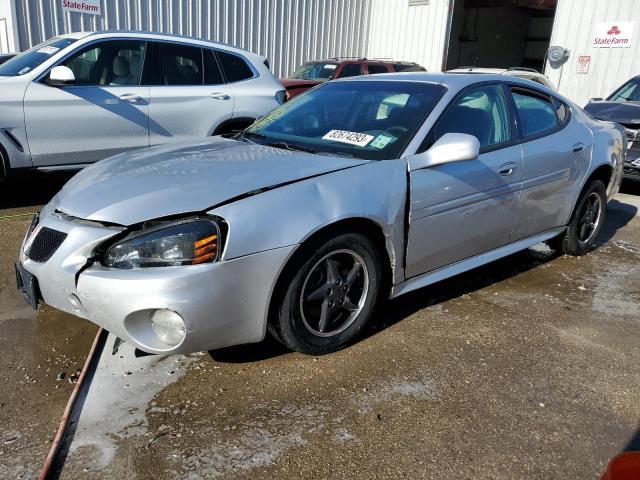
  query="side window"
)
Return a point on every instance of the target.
[
  {"x": 212, "y": 73},
  {"x": 376, "y": 68},
  {"x": 108, "y": 63},
  {"x": 235, "y": 68},
  {"x": 562, "y": 111},
  {"x": 351, "y": 70},
  {"x": 179, "y": 64},
  {"x": 481, "y": 112},
  {"x": 537, "y": 114}
]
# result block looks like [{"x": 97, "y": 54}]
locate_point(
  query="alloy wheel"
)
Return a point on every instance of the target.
[
  {"x": 334, "y": 293},
  {"x": 589, "y": 218}
]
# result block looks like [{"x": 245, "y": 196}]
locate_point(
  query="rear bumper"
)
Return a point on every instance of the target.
[{"x": 222, "y": 304}]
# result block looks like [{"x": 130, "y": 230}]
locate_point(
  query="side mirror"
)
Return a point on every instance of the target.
[
  {"x": 61, "y": 75},
  {"x": 451, "y": 147},
  {"x": 595, "y": 99}
]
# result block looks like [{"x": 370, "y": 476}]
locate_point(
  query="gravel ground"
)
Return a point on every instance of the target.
[{"x": 526, "y": 368}]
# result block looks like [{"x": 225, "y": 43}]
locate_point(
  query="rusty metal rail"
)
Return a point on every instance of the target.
[{"x": 68, "y": 411}]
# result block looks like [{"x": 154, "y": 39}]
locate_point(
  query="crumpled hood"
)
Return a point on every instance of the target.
[
  {"x": 627, "y": 113},
  {"x": 169, "y": 180}
]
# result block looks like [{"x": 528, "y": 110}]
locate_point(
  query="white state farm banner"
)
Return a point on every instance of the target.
[
  {"x": 613, "y": 34},
  {"x": 83, "y": 6}
]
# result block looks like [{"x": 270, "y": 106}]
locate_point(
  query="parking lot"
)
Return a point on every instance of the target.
[{"x": 526, "y": 368}]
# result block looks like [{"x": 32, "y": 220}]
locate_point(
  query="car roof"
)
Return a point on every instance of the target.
[
  {"x": 516, "y": 71},
  {"x": 75, "y": 35},
  {"x": 355, "y": 60},
  {"x": 427, "y": 77},
  {"x": 454, "y": 80},
  {"x": 477, "y": 70},
  {"x": 174, "y": 37}
]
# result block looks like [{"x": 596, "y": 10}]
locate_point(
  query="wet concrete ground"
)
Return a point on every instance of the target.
[
  {"x": 36, "y": 346},
  {"x": 526, "y": 368}
]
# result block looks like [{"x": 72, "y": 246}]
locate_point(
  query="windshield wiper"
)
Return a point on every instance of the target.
[
  {"x": 259, "y": 136},
  {"x": 289, "y": 146},
  {"x": 338, "y": 154}
]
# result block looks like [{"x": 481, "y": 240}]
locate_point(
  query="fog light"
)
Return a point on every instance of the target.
[{"x": 168, "y": 326}]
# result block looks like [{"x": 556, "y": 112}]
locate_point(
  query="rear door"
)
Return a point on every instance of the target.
[
  {"x": 105, "y": 112},
  {"x": 254, "y": 96},
  {"x": 462, "y": 209},
  {"x": 556, "y": 153},
  {"x": 189, "y": 97}
]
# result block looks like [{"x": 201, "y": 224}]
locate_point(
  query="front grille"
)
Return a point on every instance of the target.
[
  {"x": 635, "y": 146},
  {"x": 45, "y": 244}
]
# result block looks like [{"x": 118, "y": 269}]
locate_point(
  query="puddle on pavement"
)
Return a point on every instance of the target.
[{"x": 120, "y": 391}]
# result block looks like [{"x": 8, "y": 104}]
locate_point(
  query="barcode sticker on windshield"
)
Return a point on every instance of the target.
[
  {"x": 48, "y": 50},
  {"x": 352, "y": 138}
]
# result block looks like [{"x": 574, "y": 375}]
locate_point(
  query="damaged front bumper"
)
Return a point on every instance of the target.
[{"x": 221, "y": 304}]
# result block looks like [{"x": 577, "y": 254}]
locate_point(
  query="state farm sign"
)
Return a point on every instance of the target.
[
  {"x": 91, "y": 7},
  {"x": 613, "y": 34}
]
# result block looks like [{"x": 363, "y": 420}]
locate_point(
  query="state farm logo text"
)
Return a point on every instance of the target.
[{"x": 611, "y": 39}]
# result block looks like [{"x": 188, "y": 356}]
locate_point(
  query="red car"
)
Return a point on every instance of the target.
[{"x": 313, "y": 73}]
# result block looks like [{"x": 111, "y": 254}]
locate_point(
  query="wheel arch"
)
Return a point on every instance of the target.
[
  {"x": 362, "y": 225},
  {"x": 231, "y": 124},
  {"x": 603, "y": 173}
]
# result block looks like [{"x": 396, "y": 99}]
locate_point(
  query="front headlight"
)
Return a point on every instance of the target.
[{"x": 187, "y": 242}]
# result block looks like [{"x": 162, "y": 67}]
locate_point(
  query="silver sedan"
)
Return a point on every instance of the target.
[{"x": 355, "y": 191}]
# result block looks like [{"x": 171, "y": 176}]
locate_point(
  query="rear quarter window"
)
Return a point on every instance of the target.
[
  {"x": 536, "y": 113},
  {"x": 235, "y": 67}
]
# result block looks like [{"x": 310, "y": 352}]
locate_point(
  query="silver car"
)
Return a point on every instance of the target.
[
  {"x": 356, "y": 190},
  {"x": 83, "y": 97}
]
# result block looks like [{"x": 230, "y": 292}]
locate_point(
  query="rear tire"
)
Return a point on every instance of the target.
[
  {"x": 327, "y": 294},
  {"x": 586, "y": 222}
]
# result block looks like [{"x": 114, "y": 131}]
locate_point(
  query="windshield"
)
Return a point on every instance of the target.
[
  {"x": 373, "y": 120},
  {"x": 27, "y": 61},
  {"x": 315, "y": 71},
  {"x": 629, "y": 92}
]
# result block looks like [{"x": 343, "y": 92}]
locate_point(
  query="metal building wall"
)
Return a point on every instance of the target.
[
  {"x": 288, "y": 32},
  {"x": 610, "y": 67},
  {"x": 412, "y": 33}
]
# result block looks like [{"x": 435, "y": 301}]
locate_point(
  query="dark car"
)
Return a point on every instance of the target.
[
  {"x": 6, "y": 56},
  {"x": 313, "y": 73},
  {"x": 623, "y": 107}
]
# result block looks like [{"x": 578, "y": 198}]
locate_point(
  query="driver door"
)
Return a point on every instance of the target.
[
  {"x": 462, "y": 209},
  {"x": 105, "y": 112}
]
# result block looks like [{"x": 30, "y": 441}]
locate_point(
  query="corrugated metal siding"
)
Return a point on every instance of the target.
[
  {"x": 412, "y": 33},
  {"x": 610, "y": 67},
  {"x": 288, "y": 32}
]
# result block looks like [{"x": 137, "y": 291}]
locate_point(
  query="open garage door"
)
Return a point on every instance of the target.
[{"x": 500, "y": 33}]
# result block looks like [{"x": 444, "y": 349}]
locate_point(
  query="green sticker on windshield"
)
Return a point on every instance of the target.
[{"x": 382, "y": 141}]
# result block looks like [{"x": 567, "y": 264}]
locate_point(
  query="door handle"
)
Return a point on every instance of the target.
[
  {"x": 578, "y": 147},
  {"x": 508, "y": 169},
  {"x": 220, "y": 96},
  {"x": 130, "y": 97}
]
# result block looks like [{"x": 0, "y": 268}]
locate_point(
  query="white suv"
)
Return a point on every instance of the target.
[
  {"x": 520, "y": 72},
  {"x": 82, "y": 97}
]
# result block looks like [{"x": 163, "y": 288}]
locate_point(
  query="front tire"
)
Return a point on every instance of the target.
[
  {"x": 586, "y": 222},
  {"x": 328, "y": 294}
]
